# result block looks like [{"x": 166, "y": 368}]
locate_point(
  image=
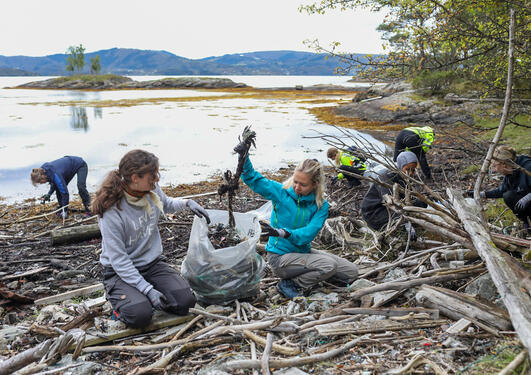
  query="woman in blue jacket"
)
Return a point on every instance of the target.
[{"x": 299, "y": 212}]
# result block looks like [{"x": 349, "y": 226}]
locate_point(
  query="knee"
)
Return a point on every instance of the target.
[
  {"x": 136, "y": 315},
  {"x": 328, "y": 269},
  {"x": 510, "y": 198},
  {"x": 181, "y": 301}
]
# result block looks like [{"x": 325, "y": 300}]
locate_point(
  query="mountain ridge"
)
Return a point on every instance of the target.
[{"x": 130, "y": 61}]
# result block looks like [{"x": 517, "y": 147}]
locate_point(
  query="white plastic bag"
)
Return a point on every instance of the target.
[{"x": 219, "y": 276}]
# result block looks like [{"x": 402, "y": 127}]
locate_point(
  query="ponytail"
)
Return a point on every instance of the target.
[{"x": 112, "y": 189}]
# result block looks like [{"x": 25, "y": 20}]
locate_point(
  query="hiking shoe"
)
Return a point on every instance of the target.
[{"x": 289, "y": 289}]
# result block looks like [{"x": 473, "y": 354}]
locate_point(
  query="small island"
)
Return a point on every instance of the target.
[{"x": 116, "y": 82}]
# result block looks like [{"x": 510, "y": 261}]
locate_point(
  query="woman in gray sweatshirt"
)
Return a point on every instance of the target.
[{"x": 136, "y": 278}]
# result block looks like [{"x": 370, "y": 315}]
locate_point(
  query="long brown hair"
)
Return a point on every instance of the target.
[{"x": 112, "y": 189}]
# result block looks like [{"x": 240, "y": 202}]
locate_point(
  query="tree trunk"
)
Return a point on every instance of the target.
[
  {"x": 505, "y": 271},
  {"x": 75, "y": 234}
]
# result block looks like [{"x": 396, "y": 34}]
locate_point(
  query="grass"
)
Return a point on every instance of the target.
[
  {"x": 501, "y": 356},
  {"x": 497, "y": 210},
  {"x": 514, "y": 136}
]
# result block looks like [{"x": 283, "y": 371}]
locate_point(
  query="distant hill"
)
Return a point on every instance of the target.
[
  {"x": 8, "y": 72},
  {"x": 125, "y": 61}
]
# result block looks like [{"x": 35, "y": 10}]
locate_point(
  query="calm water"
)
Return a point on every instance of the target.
[{"x": 193, "y": 140}]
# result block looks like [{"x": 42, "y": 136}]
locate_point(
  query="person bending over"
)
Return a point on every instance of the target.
[
  {"x": 515, "y": 188},
  {"x": 418, "y": 141},
  {"x": 373, "y": 210},
  {"x": 347, "y": 161},
  {"x": 299, "y": 212},
  {"x": 59, "y": 173},
  {"x": 135, "y": 275}
]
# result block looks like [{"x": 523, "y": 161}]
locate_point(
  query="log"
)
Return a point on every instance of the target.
[
  {"x": 75, "y": 234},
  {"x": 504, "y": 270},
  {"x": 396, "y": 311},
  {"x": 399, "y": 285},
  {"x": 66, "y": 295},
  {"x": 457, "y": 305},
  {"x": 358, "y": 328},
  {"x": 20, "y": 360}
]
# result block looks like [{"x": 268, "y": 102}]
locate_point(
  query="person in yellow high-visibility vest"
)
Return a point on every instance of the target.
[
  {"x": 349, "y": 161},
  {"x": 417, "y": 140}
]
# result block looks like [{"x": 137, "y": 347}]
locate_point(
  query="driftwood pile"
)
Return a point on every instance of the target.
[{"x": 417, "y": 307}]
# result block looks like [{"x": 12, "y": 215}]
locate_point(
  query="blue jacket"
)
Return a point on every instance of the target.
[
  {"x": 59, "y": 173},
  {"x": 298, "y": 214},
  {"x": 518, "y": 181}
]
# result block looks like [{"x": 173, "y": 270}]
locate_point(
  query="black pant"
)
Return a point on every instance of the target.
[
  {"x": 353, "y": 181},
  {"x": 82, "y": 185},
  {"x": 510, "y": 198},
  {"x": 133, "y": 307}
]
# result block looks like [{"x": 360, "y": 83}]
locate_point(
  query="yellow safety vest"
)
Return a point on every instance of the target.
[
  {"x": 426, "y": 134},
  {"x": 348, "y": 159}
]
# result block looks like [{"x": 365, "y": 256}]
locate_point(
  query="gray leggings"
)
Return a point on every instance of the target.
[{"x": 311, "y": 268}]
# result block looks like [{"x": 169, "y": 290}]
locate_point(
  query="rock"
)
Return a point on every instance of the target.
[
  {"x": 360, "y": 284},
  {"x": 483, "y": 286},
  {"x": 290, "y": 371},
  {"x": 84, "y": 367},
  {"x": 28, "y": 286},
  {"x": 10, "y": 318},
  {"x": 64, "y": 275},
  {"x": 391, "y": 88},
  {"x": 53, "y": 313},
  {"x": 9, "y": 333},
  {"x": 13, "y": 285}
]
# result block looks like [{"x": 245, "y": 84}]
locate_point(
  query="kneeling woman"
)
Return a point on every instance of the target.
[
  {"x": 136, "y": 278},
  {"x": 299, "y": 212}
]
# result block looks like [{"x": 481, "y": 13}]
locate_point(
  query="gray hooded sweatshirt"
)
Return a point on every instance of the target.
[{"x": 131, "y": 238}]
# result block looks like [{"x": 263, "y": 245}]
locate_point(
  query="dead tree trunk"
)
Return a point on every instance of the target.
[
  {"x": 504, "y": 270},
  {"x": 75, "y": 234},
  {"x": 20, "y": 360}
]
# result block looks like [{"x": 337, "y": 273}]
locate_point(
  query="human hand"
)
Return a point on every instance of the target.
[
  {"x": 157, "y": 299},
  {"x": 198, "y": 210},
  {"x": 469, "y": 194},
  {"x": 523, "y": 203},
  {"x": 269, "y": 231},
  {"x": 411, "y": 231},
  {"x": 247, "y": 139},
  {"x": 45, "y": 198}
]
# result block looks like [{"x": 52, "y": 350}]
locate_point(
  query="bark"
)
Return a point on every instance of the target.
[
  {"x": 23, "y": 359},
  {"x": 75, "y": 234},
  {"x": 505, "y": 271}
]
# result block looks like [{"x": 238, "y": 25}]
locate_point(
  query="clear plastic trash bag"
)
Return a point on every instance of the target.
[{"x": 220, "y": 276}]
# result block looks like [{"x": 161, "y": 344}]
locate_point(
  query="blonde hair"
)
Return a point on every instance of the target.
[
  {"x": 37, "y": 174},
  {"x": 314, "y": 170},
  {"x": 504, "y": 154}
]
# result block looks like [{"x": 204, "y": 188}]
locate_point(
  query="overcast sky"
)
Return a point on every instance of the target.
[{"x": 192, "y": 29}]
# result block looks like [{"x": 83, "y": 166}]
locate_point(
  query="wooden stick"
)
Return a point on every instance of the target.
[
  {"x": 266, "y": 354},
  {"x": 276, "y": 347},
  {"x": 298, "y": 361},
  {"x": 20, "y": 360},
  {"x": 73, "y": 293},
  {"x": 514, "y": 363}
]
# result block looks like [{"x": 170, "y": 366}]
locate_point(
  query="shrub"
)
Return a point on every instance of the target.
[{"x": 437, "y": 82}]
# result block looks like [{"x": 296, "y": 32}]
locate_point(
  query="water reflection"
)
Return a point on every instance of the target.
[
  {"x": 79, "y": 119},
  {"x": 98, "y": 113}
]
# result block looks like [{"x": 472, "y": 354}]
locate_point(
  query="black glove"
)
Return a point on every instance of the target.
[
  {"x": 45, "y": 198},
  {"x": 469, "y": 194},
  {"x": 334, "y": 181},
  {"x": 411, "y": 230},
  {"x": 157, "y": 299},
  {"x": 247, "y": 139},
  {"x": 198, "y": 210},
  {"x": 269, "y": 231}
]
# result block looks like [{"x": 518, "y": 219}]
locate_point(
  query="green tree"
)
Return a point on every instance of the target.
[
  {"x": 75, "y": 60},
  {"x": 95, "y": 65},
  {"x": 464, "y": 37}
]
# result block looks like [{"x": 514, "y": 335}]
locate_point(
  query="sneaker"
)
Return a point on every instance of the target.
[
  {"x": 289, "y": 289},
  {"x": 88, "y": 213}
]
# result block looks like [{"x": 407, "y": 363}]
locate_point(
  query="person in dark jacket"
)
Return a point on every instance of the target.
[
  {"x": 59, "y": 173},
  {"x": 515, "y": 188},
  {"x": 418, "y": 141},
  {"x": 374, "y": 212}
]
